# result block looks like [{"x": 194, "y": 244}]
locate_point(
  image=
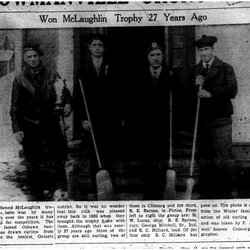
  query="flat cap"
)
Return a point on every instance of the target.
[
  {"x": 154, "y": 46},
  {"x": 205, "y": 41},
  {"x": 96, "y": 36},
  {"x": 33, "y": 46}
]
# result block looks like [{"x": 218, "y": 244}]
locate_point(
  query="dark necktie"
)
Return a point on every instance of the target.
[
  {"x": 155, "y": 76},
  {"x": 205, "y": 70},
  {"x": 207, "y": 67}
]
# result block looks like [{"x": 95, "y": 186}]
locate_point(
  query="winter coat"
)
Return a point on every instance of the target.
[
  {"x": 222, "y": 84},
  {"x": 154, "y": 112},
  {"x": 34, "y": 103},
  {"x": 100, "y": 92}
]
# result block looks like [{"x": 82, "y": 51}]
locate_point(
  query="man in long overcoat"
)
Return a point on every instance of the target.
[
  {"x": 100, "y": 96},
  {"x": 156, "y": 85},
  {"x": 217, "y": 85},
  {"x": 34, "y": 122}
]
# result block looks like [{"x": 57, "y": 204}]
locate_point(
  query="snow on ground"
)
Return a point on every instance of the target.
[{"x": 10, "y": 167}]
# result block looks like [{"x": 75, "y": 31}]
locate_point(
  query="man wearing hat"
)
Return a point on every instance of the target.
[
  {"x": 157, "y": 82},
  {"x": 100, "y": 95},
  {"x": 34, "y": 122},
  {"x": 216, "y": 84}
]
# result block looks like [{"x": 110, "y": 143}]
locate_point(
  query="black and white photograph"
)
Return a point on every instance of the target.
[
  {"x": 126, "y": 131},
  {"x": 133, "y": 112}
]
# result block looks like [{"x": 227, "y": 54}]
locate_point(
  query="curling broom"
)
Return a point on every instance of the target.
[
  {"x": 190, "y": 180},
  {"x": 169, "y": 192},
  {"x": 104, "y": 184}
]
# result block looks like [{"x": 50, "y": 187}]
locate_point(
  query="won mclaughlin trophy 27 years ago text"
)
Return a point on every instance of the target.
[{"x": 119, "y": 18}]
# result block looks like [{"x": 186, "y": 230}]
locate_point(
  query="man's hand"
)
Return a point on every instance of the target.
[
  {"x": 199, "y": 80},
  {"x": 19, "y": 136},
  {"x": 67, "y": 110},
  {"x": 204, "y": 94},
  {"x": 86, "y": 125}
]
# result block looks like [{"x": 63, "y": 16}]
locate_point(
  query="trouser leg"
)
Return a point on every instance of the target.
[
  {"x": 35, "y": 180},
  {"x": 217, "y": 165},
  {"x": 222, "y": 145},
  {"x": 93, "y": 173},
  {"x": 57, "y": 154},
  {"x": 154, "y": 176},
  {"x": 33, "y": 146},
  {"x": 61, "y": 176}
]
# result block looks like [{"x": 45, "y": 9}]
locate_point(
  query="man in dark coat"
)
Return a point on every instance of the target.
[
  {"x": 217, "y": 85},
  {"x": 34, "y": 122},
  {"x": 157, "y": 83},
  {"x": 102, "y": 105}
]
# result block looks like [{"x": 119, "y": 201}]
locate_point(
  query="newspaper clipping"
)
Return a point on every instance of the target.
[{"x": 125, "y": 125}]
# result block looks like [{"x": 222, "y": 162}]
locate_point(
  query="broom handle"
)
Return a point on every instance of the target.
[
  {"x": 170, "y": 129},
  {"x": 91, "y": 130},
  {"x": 195, "y": 135}
]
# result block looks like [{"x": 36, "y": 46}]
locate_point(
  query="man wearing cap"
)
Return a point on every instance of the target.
[
  {"x": 100, "y": 95},
  {"x": 34, "y": 122},
  {"x": 157, "y": 82},
  {"x": 217, "y": 85}
]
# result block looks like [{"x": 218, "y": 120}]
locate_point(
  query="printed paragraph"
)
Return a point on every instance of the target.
[
  {"x": 224, "y": 219},
  {"x": 163, "y": 220},
  {"x": 91, "y": 221},
  {"x": 33, "y": 222}
]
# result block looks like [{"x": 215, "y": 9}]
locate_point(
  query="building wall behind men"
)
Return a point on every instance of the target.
[
  {"x": 232, "y": 47},
  {"x": 9, "y": 147},
  {"x": 48, "y": 38}
]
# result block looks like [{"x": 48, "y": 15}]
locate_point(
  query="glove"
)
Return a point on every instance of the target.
[
  {"x": 204, "y": 94},
  {"x": 86, "y": 125},
  {"x": 199, "y": 80},
  {"x": 67, "y": 110},
  {"x": 19, "y": 136}
]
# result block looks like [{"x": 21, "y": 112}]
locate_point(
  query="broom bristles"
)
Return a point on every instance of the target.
[
  {"x": 104, "y": 186},
  {"x": 189, "y": 189},
  {"x": 169, "y": 192}
]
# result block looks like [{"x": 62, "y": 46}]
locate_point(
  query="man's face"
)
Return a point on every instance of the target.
[
  {"x": 97, "y": 48},
  {"x": 206, "y": 53},
  {"x": 155, "y": 58},
  {"x": 32, "y": 58}
]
